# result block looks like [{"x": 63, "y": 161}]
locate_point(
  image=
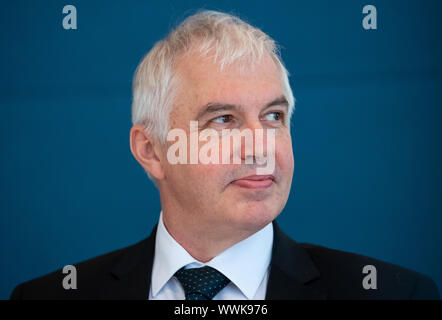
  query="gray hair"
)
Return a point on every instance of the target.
[{"x": 230, "y": 38}]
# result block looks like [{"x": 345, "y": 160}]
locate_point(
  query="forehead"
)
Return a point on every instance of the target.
[{"x": 202, "y": 81}]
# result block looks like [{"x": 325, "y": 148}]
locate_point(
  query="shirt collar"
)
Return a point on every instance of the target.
[{"x": 244, "y": 263}]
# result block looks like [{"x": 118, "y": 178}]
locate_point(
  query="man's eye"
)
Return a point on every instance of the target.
[
  {"x": 222, "y": 119},
  {"x": 273, "y": 116}
]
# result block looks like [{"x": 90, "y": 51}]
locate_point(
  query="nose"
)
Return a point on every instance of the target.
[{"x": 254, "y": 150}]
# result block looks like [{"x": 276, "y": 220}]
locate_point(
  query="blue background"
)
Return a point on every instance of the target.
[{"x": 366, "y": 131}]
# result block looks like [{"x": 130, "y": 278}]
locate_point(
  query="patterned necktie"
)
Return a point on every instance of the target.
[{"x": 201, "y": 283}]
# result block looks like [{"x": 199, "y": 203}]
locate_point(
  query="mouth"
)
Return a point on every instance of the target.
[{"x": 255, "y": 182}]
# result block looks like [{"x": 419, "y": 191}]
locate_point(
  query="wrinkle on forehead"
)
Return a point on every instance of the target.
[{"x": 202, "y": 79}]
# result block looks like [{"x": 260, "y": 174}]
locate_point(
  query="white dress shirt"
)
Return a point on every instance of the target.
[{"x": 246, "y": 264}]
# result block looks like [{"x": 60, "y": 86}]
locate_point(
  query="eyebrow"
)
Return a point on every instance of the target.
[{"x": 216, "y": 106}]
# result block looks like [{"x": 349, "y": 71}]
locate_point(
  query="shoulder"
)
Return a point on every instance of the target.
[
  {"x": 90, "y": 274},
  {"x": 342, "y": 274}
]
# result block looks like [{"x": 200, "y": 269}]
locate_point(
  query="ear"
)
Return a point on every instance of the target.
[{"x": 146, "y": 150}]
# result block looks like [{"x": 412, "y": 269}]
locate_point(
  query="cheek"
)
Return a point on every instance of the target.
[
  {"x": 211, "y": 177},
  {"x": 284, "y": 155},
  {"x": 197, "y": 178}
]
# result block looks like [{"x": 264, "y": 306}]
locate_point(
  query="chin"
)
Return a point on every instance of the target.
[{"x": 254, "y": 217}]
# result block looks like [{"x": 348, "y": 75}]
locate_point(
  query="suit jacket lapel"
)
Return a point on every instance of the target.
[
  {"x": 131, "y": 276},
  {"x": 293, "y": 274}
]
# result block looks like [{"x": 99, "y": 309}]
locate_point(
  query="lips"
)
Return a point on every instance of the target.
[{"x": 255, "y": 182}]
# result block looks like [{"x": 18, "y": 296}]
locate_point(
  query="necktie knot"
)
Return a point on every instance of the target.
[{"x": 201, "y": 283}]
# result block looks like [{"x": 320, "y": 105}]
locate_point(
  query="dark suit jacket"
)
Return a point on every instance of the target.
[{"x": 297, "y": 271}]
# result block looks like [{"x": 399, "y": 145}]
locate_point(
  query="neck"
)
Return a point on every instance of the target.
[{"x": 202, "y": 242}]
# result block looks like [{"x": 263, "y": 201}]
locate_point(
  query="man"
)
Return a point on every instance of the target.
[{"x": 215, "y": 77}]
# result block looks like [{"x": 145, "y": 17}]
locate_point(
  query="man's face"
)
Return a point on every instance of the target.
[{"x": 224, "y": 195}]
